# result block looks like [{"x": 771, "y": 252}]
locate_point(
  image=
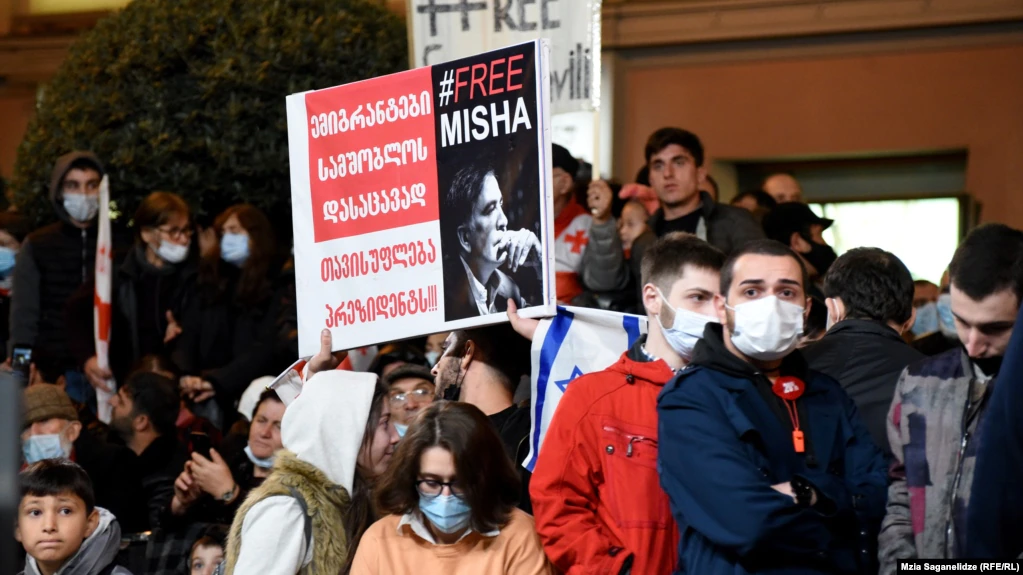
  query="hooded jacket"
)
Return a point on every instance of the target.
[
  {"x": 725, "y": 439},
  {"x": 597, "y": 499},
  {"x": 51, "y": 265},
  {"x": 725, "y": 227},
  {"x": 95, "y": 556},
  {"x": 322, "y": 429}
]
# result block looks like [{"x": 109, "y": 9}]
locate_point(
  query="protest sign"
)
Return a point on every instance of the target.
[
  {"x": 422, "y": 200},
  {"x": 443, "y": 30}
]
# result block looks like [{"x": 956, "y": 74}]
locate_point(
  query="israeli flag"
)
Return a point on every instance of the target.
[{"x": 576, "y": 341}]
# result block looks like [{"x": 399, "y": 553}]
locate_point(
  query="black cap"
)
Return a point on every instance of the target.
[
  {"x": 780, "y": 222},
  {"x": 562, "y": 158}
]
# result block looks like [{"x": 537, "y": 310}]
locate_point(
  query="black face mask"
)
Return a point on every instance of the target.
[
  {"x": 989, "y": 365},
  {"x": 821, "y": 256}
]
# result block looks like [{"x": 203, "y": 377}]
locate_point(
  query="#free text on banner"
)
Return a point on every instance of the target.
[
  {"x": 421, "y": 200},
  {"x": 443, "y": 30}
]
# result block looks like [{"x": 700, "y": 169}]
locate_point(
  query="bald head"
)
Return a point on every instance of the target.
[{"x": 783, "y": 188}]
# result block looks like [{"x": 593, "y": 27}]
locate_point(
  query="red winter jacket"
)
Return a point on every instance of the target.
[{"x": 595, "y": 489}]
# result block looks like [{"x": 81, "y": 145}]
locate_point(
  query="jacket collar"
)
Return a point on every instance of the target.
[
  {"x": 710, "y": 352},
  {"x": 635, "y": 363},
  {"x": 865, "y": 327},
  {"x": 707, "y": 209}
]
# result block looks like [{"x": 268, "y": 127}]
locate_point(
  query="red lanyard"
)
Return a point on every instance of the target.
[{"x": 790, "y": 389}]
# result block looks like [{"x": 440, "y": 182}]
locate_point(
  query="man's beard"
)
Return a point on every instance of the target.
[
  {"x": 122, "y": 427},
  {"x": 447, "y": 379}
]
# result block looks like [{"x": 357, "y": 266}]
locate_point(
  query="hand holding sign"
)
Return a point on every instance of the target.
[{"x": 325, "y": 359}]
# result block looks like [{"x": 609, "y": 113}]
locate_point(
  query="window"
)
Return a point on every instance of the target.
[{"x": 924, "y": 233}]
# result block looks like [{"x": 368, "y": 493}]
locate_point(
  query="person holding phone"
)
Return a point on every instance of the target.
[
  {"x": 53, "y": 263},
  {"x": 211, "y": 487}
]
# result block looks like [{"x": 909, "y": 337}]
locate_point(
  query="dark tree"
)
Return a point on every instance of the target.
[{"x": 188, "y": 96}]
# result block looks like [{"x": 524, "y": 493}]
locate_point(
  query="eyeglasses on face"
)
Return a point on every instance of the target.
[
  {"x": 419, "y": 395},
  {"x": 177, "y": 233},
  {"x": 433, "y": 488}
]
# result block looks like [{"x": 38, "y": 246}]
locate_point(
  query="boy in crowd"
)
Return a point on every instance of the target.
[{"x": 59, "y": 525}]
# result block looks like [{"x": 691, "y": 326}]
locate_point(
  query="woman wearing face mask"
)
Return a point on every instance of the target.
[
  {"x": 211, "y": 489},
  {"x": 229, "y": 329},
  {"x": 151, "y": 289},
  {"x": 310, "y": 513},
  {"x": 11, "y": 236},
  {"x": 451, "y": 494}
]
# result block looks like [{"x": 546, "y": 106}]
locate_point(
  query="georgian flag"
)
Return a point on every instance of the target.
[
  {"x": 101, "y": 299},
  {"x": 572, "y": 343}
]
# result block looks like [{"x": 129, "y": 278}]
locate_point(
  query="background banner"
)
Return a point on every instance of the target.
[
  {"x": 422, "y": 200},
  {"x": 443, "y": 30}
]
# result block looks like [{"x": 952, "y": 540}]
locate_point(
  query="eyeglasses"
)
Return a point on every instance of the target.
[
  {"x": 419, "y": 395},
  {"x": 433, "y": 488},
  {"x": 177, "y": 233}
]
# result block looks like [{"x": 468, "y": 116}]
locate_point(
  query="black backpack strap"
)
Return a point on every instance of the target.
[{"x": 305, "y": 513}]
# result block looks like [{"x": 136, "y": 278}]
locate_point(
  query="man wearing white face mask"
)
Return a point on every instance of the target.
[
  {"x": 596, "y": 497},
  {"x": 766, "y": 463},
  {"x": 54, "y": 261},
  {"x": 50, "y": 430}
]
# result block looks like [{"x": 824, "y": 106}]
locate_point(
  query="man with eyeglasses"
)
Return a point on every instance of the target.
[
  {"x": 410, "y": 391},
  {"x": 53, "y": 262}
]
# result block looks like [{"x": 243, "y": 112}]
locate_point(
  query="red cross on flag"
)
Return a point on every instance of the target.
[{"x": 101, "y": 300}]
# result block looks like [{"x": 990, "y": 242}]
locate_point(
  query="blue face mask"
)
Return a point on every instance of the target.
[
  {"x": 449, "y": 513},
  {"x": 402, "y": 429},
  {"x": 266, "y": 463},
  {"x": 234, "y": 248},
  {"x": 946, "y": 322},
  {"x": 926, "y": 319},
  {"x": 6, "y": 260},
  {"x": 40, "y": 447},
  {"x": 432, "y": 357}
]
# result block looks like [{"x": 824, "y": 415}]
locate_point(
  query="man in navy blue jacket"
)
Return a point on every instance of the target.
[
  {"x": 994, "y": 521},
  {"x": 767, "y": 464}
]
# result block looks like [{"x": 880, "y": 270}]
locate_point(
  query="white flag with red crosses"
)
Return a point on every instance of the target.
[{"x": 101, "y": 299}]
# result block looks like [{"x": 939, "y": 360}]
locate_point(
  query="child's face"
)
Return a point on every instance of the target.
[
  {"x": 205, "y": 559},
  {"x": 632, "y": 223},
  {"x": 53, "y": 527}
]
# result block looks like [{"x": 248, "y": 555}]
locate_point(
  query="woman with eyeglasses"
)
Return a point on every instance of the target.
[
  {"x": 229, "y": 330},
  {"x": 150, "y": 289},
  {"x": 451, "y": 494}
]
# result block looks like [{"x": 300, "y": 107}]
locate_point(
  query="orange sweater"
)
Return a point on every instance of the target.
[{"x": 515, "y": 551}]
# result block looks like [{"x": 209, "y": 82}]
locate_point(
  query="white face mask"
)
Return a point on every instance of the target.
[
  {"x": 685, "y": 331},
  {"x": 80, "y": 207},
  {"x": 768, "y": 328},
  {"x": 171, "y": 252}
]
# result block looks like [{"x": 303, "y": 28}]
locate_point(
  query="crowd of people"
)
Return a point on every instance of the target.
[{"x": 789, "y": 410}]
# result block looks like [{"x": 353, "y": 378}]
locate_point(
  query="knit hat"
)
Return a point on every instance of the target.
[{"x": 45, "y": 401}]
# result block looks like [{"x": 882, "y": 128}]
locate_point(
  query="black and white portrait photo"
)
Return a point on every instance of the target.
[{"x": 487, "y": 261}]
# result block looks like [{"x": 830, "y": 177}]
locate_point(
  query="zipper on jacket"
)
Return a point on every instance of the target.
[
  {"x": 632, "y": 439},
  {"x": 953, "y": 493},
  {"x": 85, "y": 258}
]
